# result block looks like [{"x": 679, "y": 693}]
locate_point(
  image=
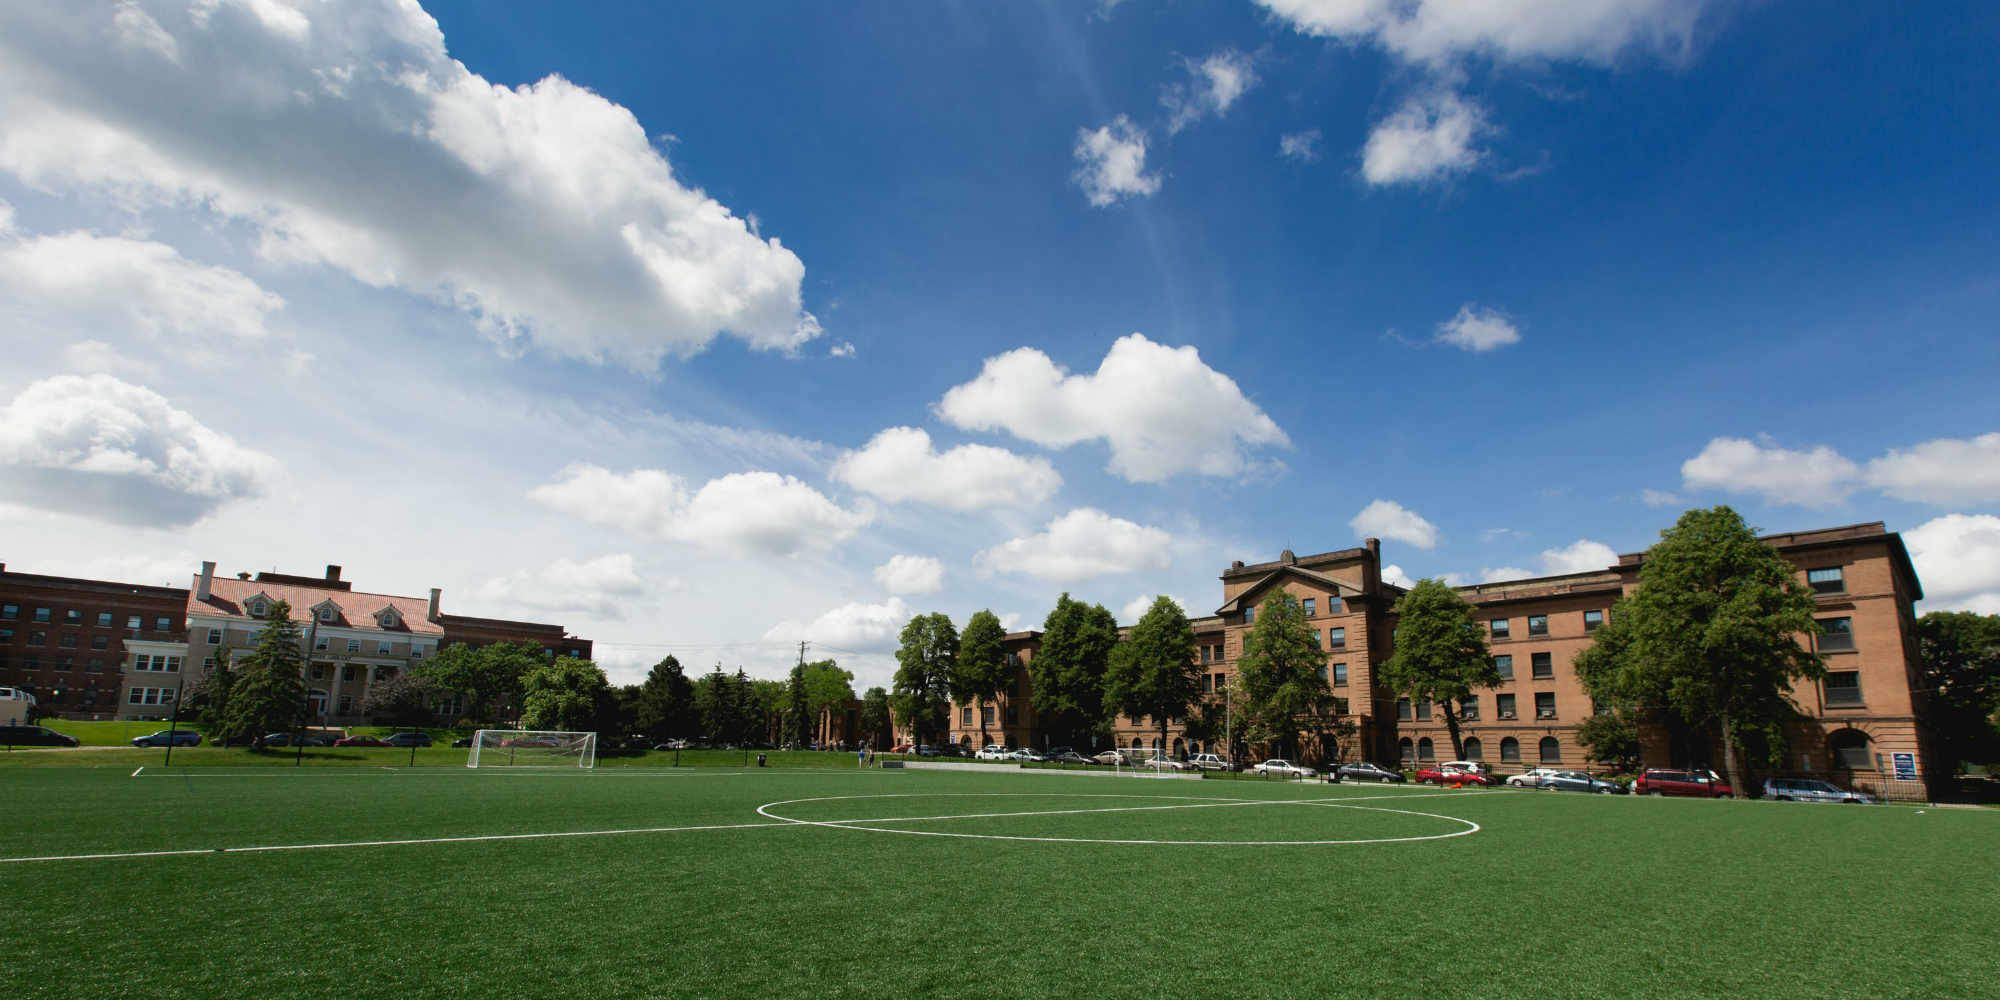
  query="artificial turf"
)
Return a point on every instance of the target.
[{"x": 1554, "y": 896}]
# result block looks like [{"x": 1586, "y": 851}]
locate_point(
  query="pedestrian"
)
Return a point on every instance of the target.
[{"x": 861, "y": 757}]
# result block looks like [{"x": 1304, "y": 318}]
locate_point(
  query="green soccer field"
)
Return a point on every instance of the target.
[{"x": 700, "y": 882}]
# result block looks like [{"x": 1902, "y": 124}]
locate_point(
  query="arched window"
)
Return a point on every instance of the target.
[
  {"x": 1409, "y": 750},
  {"x": 1849, "y": 749},
  {"x": 1551, "y": 750},
  {"x": 1156, "y": 744},
  {"x": 1180, "y": 747},
  {"x": 1510, "y": 750},
  {"x": 1137, "y": 744},
  {"x": 1475, "y": 750},
  {"x": 1426, "y": 750}
]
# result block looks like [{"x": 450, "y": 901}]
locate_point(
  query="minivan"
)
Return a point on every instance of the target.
[{"x": 1699, "y": 783}]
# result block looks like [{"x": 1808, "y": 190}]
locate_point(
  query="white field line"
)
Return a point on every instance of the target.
[
  {"x": 267, "y": 848},
  {"x": 1063, "y": 812},
  {"x": 280, "y": 771},
  {"x": 136, "y": 770}
]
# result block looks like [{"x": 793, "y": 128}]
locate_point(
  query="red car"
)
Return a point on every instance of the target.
[
  {"x": 1451, "y": 776},
  {"x": 1697, "y": 782},
  {"x": 361, "y": 741}
]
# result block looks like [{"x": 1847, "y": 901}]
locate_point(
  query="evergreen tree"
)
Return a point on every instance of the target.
[
  {"x": 1711, "y": 636},
  {"x": 1153, "y": 672},
  {"x": 268, "y": 692},
  {"x": 1441, "y": 653},
  {"x": 664, "y": 708},
  {"x": 923, "y": 673},
  {"x": 561, "y": 694},
  {"x": 207, "y": 696},
  {"x": 1067, "y": 671},
  {"x": 719, "y": 704},
  {"x": 798, "y": 722},
  {"x": 981, "y": 669},
  {"x": 1281, "y": 677}
]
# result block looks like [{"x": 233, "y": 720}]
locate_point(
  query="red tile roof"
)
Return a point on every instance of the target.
[{"x": 357, "y": 609}]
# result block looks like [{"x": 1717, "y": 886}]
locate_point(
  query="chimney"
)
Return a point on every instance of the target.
[
  {"x": 1371, "y": 571},
  {"x": 332, "y": 573},
  {"x": 432, "y": 614},
  {"x": 201, "y": 588},
  {"x": 245, "y": 577}
]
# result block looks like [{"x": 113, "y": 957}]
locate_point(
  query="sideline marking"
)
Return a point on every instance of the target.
[
  {"x": 764, "y": 810},
  {"x": 136, "y": 770},
  {"x": 267, "y": 848}
]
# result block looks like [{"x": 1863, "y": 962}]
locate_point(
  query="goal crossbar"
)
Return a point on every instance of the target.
[{"x": 532, "y": 748}]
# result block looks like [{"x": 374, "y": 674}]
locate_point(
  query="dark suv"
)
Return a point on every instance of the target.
[
  {"x": 1699, "y": 783},
  {"x": 410, "y": 740},
  {"x": 34, "y": 736}
]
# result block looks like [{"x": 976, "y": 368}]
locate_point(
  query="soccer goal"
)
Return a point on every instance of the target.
[{"x": 532, "y": 748}]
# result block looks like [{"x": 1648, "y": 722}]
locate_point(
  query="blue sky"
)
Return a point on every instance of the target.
[{"x": 707, "y": 328}]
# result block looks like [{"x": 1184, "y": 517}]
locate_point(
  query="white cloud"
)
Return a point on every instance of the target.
[
  {"x": 1426, "y": 139},
  {"x": 911, "y": 575},
  {"x": 1478, "y": 330},
  {"x": 1010, "y": 621},
  {"x": 1300, "y": 146},
  {"x": 1580, "y": 556},
  {"x": 1817, "y": 478},
  {"x": 864, "y": 628},
  {"x": 843, "y": 349},
  {"x": 1162, "y": 410},
  {"x": 1501, "y": 574},
  {"x": 1214, "y": 84},
  {"x": 1941, "y": 472},
  {"x": 1080, "y": 545},
  {"x": 1659, "y": 498},
  {"x": 1136, "y": 608},
  {"x": 1436, "y": 32},
  {"x": 112, "y": 282},
  {"x": 351, "y": 139},
  {"x": 89, "y": 357},
  {"x": 1394, "y": 574},
  {"x": 102, "y": 447},
  {"x": 1111, "y": 162},
  {"x": 898, "y": 464},
  {"x": 745, "y": 513},
  {"x": 1957, "y": 558},
  {"x": 1389, "y": 519},
  {"x": 602, "y": 585}
]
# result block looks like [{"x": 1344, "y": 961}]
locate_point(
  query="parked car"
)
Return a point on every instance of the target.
[
  {"x": 1208, "y": 762},
  {"x": 1278, "y": 765},
  {"x": 463, "y": 741},
  {"x": 1577, "y": 781},
  {"x": 1698, "y": 783},
  {"x": 177, "y": 737},
  {"x": 1812, "y": 790},
  {"x": 1531, "y": 779},
  {"x": 410, "y": 740},
  {"x": 361, "y": 741},
  {"x": 1026, "y": 755},
  {"x": 993, "y": 751},
  {"x": 35, "y": 736},
  {"x": 1167, "y": 764},
  {"x": 901, "y": 748},
  {"x": 1362, "y": 770},
  {"x": 1068, "y": 757},
  {"x": 1452, "y": 776},
  {"x": 1108, "y": 758},
  {"x": 1469, "y": 766}
]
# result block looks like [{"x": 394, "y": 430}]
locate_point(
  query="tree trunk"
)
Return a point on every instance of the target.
[
  {"x": 1164, "y": 747},
  {"x": 979, "y": 705},
  {"x": 1451, "y": 725},
  {"x": 1729, "y": 765}
]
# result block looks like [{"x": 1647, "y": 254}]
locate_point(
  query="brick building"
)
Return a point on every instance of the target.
[{"x": 73, "y": 641}]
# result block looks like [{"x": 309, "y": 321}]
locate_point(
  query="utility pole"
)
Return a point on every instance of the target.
[{"x": 802, "y": 652}]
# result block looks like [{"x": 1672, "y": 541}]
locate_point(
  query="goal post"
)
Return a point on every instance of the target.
[{"x": 532, "y": 748}]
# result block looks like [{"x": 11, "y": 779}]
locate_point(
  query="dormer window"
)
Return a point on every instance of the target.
[
  {"x": 327, "y": 614},
  {"x": 257, "y": 609},
  {"x": 388, "y": 618}
]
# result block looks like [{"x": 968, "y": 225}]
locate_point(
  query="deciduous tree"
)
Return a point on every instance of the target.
[
  {"x": 1153, "y": 673},
  {"x": 923, "y": 673},
  {"x": 561, "y": 694},
  {"x": 1960, "y": 656},
  {"x": 1440, "y": 653},
  {"x": 1067, "y": 671},
  {"x": 981, "y": 668},
  {"x": 401, "y": 700},
  {"x": 1280, "y": 677},
  {"x": 875, "y": 718}
]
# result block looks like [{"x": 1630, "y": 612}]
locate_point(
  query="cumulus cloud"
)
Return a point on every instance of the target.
[
  {"x": 600, "y": 586},
  {"x": 911, "y": 575},
  {"x": 1941, "y": 472},
  {"x": 745, "y": 513},
  {"x": 1501, "y": 574},
  {"x": 1389, "y": 519},
  {"x": 1161, "y": 409},
  {"x": 1136, "y": 608},
  {"x": 1111, "y": 162},
  {"x": 1081, "y": 545},
  {"x": 1659, "y": 498},
  {"x": 105, "y": 448},
  {"x": 1213, "y": 85},
  {"x": 863, "y": 628},
  {"x": 844, "y": 349},
  {"x": 1426, "y": 139},
  {"x": 1580, "y": 556},
  {"x": 348, "y": 137},
  {"x": 1394, "y": 574},
  {"x": 1300, "y": 146},
  {"x": 1478, "y": 330},
  {"x": 1957, "y": 558},
  {"x": 1817, "y": 478},
  {"x": 112, "y": 282},
  {"x": 899, "y": 465},
  {"x": 1438, "y": 32}
]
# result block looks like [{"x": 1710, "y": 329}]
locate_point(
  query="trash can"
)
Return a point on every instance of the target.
[{"x": 760, "y": 760}]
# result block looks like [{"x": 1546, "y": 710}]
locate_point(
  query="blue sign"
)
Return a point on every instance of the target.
[{"x": 1905, "y": 766}]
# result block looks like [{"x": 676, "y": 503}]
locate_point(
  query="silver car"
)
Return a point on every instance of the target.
[
  {"x": 1577, "y": 781},
  {"x": 1812, "y": 790}
]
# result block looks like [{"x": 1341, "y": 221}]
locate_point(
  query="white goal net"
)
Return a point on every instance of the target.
[{"x": 532, "y": 748}]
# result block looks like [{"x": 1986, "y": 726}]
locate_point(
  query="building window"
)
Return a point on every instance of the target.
[
  {"x": 9, "y": 612},
  {"x": 207, "y": 664},
  {"x": 215, "y": 637},
  {"x": 6, "y": 634},
  {"x": 1403, "y": 709},
  {"x": 1250, "y": 615},
  {"x": 1849, "y": 750},
  {"x": 319, "y": 671},
  {"x": 1205, "y": 653},
  {"x": 67, "y": 640},
  {"x": 1826, "y": 581},
  {"x": 1542, "y": 665},
  {"x": 1504, "y": 704},
  {"x": 256, "y": 609},
  {"x": 965, "y": 716},
  {"x": 1545, "y": 704},
  {"x": 321, "y": 643},
  {"x": 1468, "y": 708},
  {"x": 96, "y": 665},
  {"x": 1505, "y": 665},
  {"x": 1510, "y": 750},
  {"x": 347, "y": 672},
  {"x": 1340, "y": 673},
  {"x": 354, "y": 645},
  {"x": 1499, "y": 627},
  {"x": 1426, "y": 750},
  {"x": 1475, "y": 750},
  {"x": 1315, "y": 634},
  {"x": 99, "y": 642},
  {"x": 1336, "y": 638},
  {"x": 38, "y": 638},
  {"x": 1843, "y": 688},
  {"x": 72, "y": 617},
  {"x": 326, "y": 614},
  {"x": 1839, "y": 634},
  {"x": 417, "y": 653},
  {"x": 1409, "y": 750},
  {"x": 104, "y": 619},
  {"x": 134, "y": 623},
  {"x": 42, "y": 615},
  {"x": 1424, "y": 710},
  {"x": 1013, "y": 715},
  {"x": 1593, "y": 620},
  {"x": 986, "y": 715},
  {"x": 1308, "y": 604},
  {"x": 1322, "y": 673},
  {"x": 1538, "y": 624},
  {"x": 1221, "y": 681},
  {"x": 1551, "y": 750},
  {"x": 382, "y": 648},
  {"x": 1340, "y": 706},
  {"x": 1333, "y": 604},
  {"x": 347, "y": 704},
  {"x": 163, "y": 625}
]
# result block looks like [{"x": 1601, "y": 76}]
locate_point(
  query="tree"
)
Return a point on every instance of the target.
[
  {"x": 1711, "y": 636},
  {"x": 923, "y": 673},
  {"x": 1153, "y": 672},
  {"x": 207, "y": 695},
  {"x": 1611, "y": 738},
  {"x": 767, "y": 709},
  {"x": 981, "y": 669},
  {"x": 487, "y": 678},
  {"x": 1281, "y": 677},
  {"x": 664, "y": 708},
  {"x": 721, "y": 706},
  {"x": 1440, "y": 653},
  {"x": 561, "y": 694},
  {"x": 828, "y": 688},
  {"x": 400, "y": 700},
  {"x": 268, "y": 692},
  {"x": 798, "y": 725},
  {"x": 875, "y": 719},
  {"x": 1959, "y": 653},
  {"x": 1067, "y": 672}
]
